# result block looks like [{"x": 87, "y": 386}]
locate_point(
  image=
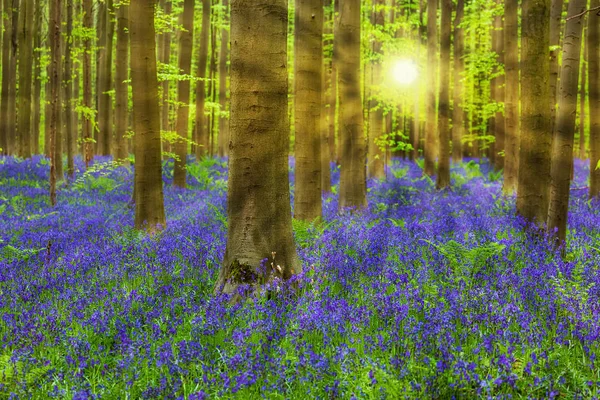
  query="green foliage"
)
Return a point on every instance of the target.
[
  {"x": 97, "y": 178},
  {"x": 306, "y": 233},
  {"x": 10, "y": 253}
]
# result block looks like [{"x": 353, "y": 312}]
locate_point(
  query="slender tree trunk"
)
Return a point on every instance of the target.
[
  {"x": 37, "y": 82},
  {"x": 308, "y": 57},
  {"x": 353, "y": 183},
  {"x": 223, "y": 120},
  {"x": 258, "y": 163},
  {"x": 213, "y": 86},
  {"x": 68, "y": 92},
  {"x": 593, "y": 36},
  {"x": 334, "y": 144},
  {"x": 536, "y": 140},
  {"x": 511, "y": 102},
  {"x": 186, "y": 41},
  {"x": 443, "y": 172},
  {"x": 201, "y": 131},
  {"x": 498, "y": 84},
  {"x": 88, "y": 133},
  {"x": 105, "y": 85},
  {"x": 55, "y": 107},
  {"x": 77, "y": 16},
  {"x": 458, "y": 113},
  {"x": 8, "y": 76},
  {"x": 417, "y": 109},
  {"x": 326, "y": 82},
  {"x": 564, "y": 130},
  {"x": 165, "y": 57},
  {"x": 25, "y": 68},
  {"x": 376, "y": 156},
  {"x": 99, "y": 77},
  {"x": 432, "y": 38},
  {"x": 555, "y": 24},
  {"x": 121, "y": 86},
  {"x": 582, "y": 95},
  {"x": 148, "y": 190}
]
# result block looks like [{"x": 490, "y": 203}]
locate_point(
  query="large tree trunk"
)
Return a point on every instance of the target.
[
  {"x": 555, "y": 25},
  {"x": 376, "y": 156},
  {"x": 223, "y": 120},
  {"x": 25, "y": 68},
  {"x": 582, "y": 96},
  {"x": 536, "y": 139},
  {"x": 443, "y": 172},
  {"x": 88, "y": 133},
  {"x": 37, "y": 81},
  {"x": 308, "y": 57},
  {"x": 68, "y": 92},
  {"x": 213, "y": 87},
  {"x": 353, "y": 182},
  {"x": 458, "y": 113},
  {"x": 148, "y": 186},
  {"x": 499, "y": 94},
  {"x": 593, "y": 37},
  {"x": 511, "y": 102},
  {"x": 564, "y": 130},
  {"x": 431, "y": 121},
  {"x": 55, "y": 101},
  {"x": 121, "y": 86},
  {"x": 8, "y": 77},
  {"x": 258, "y": 162},
  {"x": 105, "y": 85},
  {"x": 186, "y": 41},
  {"x": 201, "y": 130}
]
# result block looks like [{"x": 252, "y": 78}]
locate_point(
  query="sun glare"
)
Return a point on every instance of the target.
[{"x": 405, "y": 72}]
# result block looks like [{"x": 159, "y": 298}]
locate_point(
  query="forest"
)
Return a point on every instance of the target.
[{"x": 290, "y": 199}]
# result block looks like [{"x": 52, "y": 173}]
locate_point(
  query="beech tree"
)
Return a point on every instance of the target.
[
  {"x": 458, "y": 113},
  {"x": 443, "y": 171},
  {"x": 25, "y": 36},
  {"x": 511, "y": 101},
  {"x": 88, "y": 133},
  {"x": 54, "y": 23},
  {"x": 121, "y": 86},
  {"x": 376, "y": 155},
  {"x": 200, "y": 128},
  {"x": 223, "y": 53},
  {"x": 593, "y": 36},
  {"x": 430, "y": 124}
]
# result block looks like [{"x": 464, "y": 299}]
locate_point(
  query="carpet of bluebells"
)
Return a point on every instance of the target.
[{"x": 426, "y": 294}]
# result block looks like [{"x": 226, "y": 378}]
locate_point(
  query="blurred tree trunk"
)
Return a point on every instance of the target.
[
  {"x": 499, "y": 94},
  {"x": 258, "y": 163},
  {"x": 77, "y": 16},
  {"x": 88, "y": 117},
  {"x": 564, "y": 128},
  {"x": 105, "y": 124},
  {"x": 443, "y": 172},
  {"x": 458, "y": 113},
  {"x": 432, "y": 64},
  {"x": 121, "y": 86},
  {"x": 308, "y": 71},
  {"x": 334, "y": 147},
  {"x": 186, "y": 41},
  {"x": 593, "y": 36},
  {"x": 25, "y": 37},
  {"x": 37, "y": 78},
  {"x": 99, "y": 77},
  {"x": 201, "y": 131},
  {"x": 376, "y": 156},
  {"x": 582, "y": 95},
  {"x": 536, "y": 140},
  {"x": 148, "y": 184},
  {"x": 8, "y": 75},
  {"x": 511, "y": 102},
  {"x": 326, "y": 82},
  {"x": 164, "y": 55},
  {"x": 213, "y": 85},
  {"x": 223, "y": 53},
  {"x": 68, "y": 91},
  {"x": 555, "y": 25},
  {"x": 55, "y": 68}
]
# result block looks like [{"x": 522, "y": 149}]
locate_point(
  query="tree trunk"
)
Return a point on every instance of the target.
[
  {"x": 555, "y": 25},
  {"x": 25, "y": 37},
  {"x": 55, "y": 101},
  {"x": 326, "y": 82},
  {"x": 443, "y": 172},
  {"x": 334, "y": 144},
  {"x": 37, "y": 75},
  {"x": 223, "y": 120},
  {"x": 353, "y": 183},
  {"x": 258, "y": 162},
  {"x": 68, "y": 92},
  {"x": 582, "y": 95},
  {"x": 432, "y": 38},
  {"x": 511, "y": 102},
  {"x": 165, "y": 57},
  {"x": 148, "y": 187},
  {"x": 376, "y": 156},
  {"x": 498, "y": 84},
  {"x": 105, "y": 85},
  {"x": 201, "y": 131},
  {"x": 593, "y": 36},
  {"x": 213, "y": 87},
  {"x": 88, "y": 133},
  {"x": 308, "y": 70},
  {"x": 186, "y": 41},
  {"x": 121, "y": 86},
  {"x": 458, "y": 113},
  {"x": 8, "y": 77},
  {"x": 99, "y": 77},
  {"x": 536, "y": 140},
  {"x": 564, "y": 130}
]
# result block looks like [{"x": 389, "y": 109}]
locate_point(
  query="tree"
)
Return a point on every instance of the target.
[
  {"x": 68, "y": 92},
  {"x": 186, "y": 41},
  {"x": 308, "y": 70},
  {"x": 564, "y": 128},
  {"x": 582, "y": 98},
  {"x": 87, "y": 83},
  {"x": 536, "y": 140},
  {"x": 555, "y": 25},
  {"x": 376, "y": 156},
  {"x": 25, "y": 68},
  {"x": 7, "y": 76},
  {"x": 55, "y": 105},
  {"x": 164, "y": 52},
  {"x": 37, "y": 78},
  {"x": 105, "y": 84},
  {"x": 223, "y": 121},
  {"x": 200, "y": 129},
  {"x": 443, "y": 172},
  {"x": 511, "y": 101},
  {"x": 326, "y": 141},
  {"x": 458, "y": 113},
  {"x": 430, "y": 124},
  {"x": 258, "y": 200},
  {"x": 121, "y": 86},
  {"x": 353, "y": 182},
  {"x": 593, "y": 36},
  {"x": 148, "y": 190},
  {"x": 498, "y": 95}
]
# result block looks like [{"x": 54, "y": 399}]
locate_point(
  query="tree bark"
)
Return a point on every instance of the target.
[
  {"x": 564, "y": 129},
  {"x": 555, "y": 25},
  {"x": 432, "y": 64},
  {"x": 148, "y": 187},
  {"x": 335, "y": 139},
  {"x": 443, "y": 172},
  {"x": 201, "y": 131},
  {"x": 37, "y": 82},
  {"x": 105, "y": 85},
  {"x": 25, "y": 37},
  {"x": 8, "y": 77},
  {"x": 376, "y": 156},
  {"x": 499, "y": 96},
  {"x": 353, "y": 183},
  {"x": 593, "y": 36},
  {"x": 165, "y": 57},
  {"x": 458, "y": 113},
  {"x": 55, "y": 101},
  {"x": 68, "y": 92},
  {"x": 223, "y": 120},
  {"x": 186, "y": 41},
  {"x": 88, "y": 133},
  {"x": 582, "y": 96},
  {"x": 121, "y": 86},
  {"x": 511, "y": 102},
  {"x": 536, "y": 140},
  {"x": 258, "y": 162},
  {"x": 326, "y": 82}
]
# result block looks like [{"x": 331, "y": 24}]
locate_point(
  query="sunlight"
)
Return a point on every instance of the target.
[{"x": 405, "y": 72}]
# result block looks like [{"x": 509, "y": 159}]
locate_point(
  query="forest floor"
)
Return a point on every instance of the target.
[{"x": 426, "y": 294}]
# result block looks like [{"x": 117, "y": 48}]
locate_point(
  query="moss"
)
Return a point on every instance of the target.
[{"x": 241, "y": 273}]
